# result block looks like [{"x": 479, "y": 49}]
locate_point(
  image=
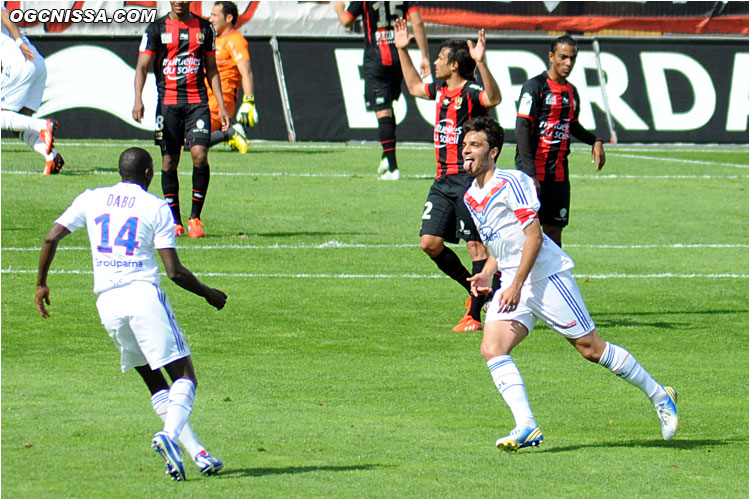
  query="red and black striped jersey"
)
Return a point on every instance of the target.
[
  {"x": 552, "y": 109},
  {"x": 453, "y": 109},
  {"x": 180, "y": 51},
  {"x": 377, "y": 23}
]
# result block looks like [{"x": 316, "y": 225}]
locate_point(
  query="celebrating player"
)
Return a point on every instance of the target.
[
  {"x": 381, "y": 67},
  {"x": 458, "y": 99},
  {"x": 547, "y": 115},
  {"x": 126, "y": 224},
  {"x": 24, "y": 77},
  {"x": 537, "y": 284},
  {"x": 181, "y": 46},
  {"x": 233, "y": 62}
]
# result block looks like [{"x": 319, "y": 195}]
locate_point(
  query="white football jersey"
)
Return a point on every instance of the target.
[
  {"x": 126, "y": 225},
  {"x": 501, "y": 210}
]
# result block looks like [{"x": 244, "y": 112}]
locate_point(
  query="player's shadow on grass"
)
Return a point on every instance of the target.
[
  {"x": 270, "y": 471},
  {"x": 614, "y": 319},
  {"x": 678, "y": 444}
]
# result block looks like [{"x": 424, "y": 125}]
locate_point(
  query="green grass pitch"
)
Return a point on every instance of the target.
[{"x": 333, "y": 372}]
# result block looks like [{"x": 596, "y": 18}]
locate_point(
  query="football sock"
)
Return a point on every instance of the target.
[
  {"x": 35, "y": 142},
  {"x": 219, "y": 136},
  {"x": 188, "y": 439},
  {"x": 180, "y": 406},
  {"x": 19, "y": 122},
  {"x": 475, "y": 311},
  {"x": 448, "y": 262},
  {"x": 201, "y": 176},
  {"x": 509, "y": 382},
  {"x": 170, "y": 186},
  {"x": 387, "y": 133},
  {"x": 623, "y": 364}
]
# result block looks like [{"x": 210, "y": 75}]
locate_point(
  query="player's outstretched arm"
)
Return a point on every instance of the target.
[
  {"x": 184, "y": 278},
  {"x": 49, "y": 247},
  {"x": 411, "y": 77}
]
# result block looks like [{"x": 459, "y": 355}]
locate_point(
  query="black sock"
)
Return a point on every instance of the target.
[
  {"x": 387, "y": 133},
  {"x": 448, "y": 262},
  {"x": 475, "y": 311},
  {"x": 201, "y": 176},
  {"x": 218, "y": 137},
  {"x": 170, "y": 186}
]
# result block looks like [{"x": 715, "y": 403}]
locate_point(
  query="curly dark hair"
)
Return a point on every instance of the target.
[{"x": 494, "y": 132}]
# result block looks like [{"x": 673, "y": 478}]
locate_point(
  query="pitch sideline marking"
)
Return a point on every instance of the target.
[
  {"x": 397, "y": 276},
  {"x": 339, "y": 245}
]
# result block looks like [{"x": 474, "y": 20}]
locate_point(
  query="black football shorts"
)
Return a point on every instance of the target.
[
  {"x": 445, "y": 213},
  {"x": 182, "y": 125},
  {"x": 382, "y": 87},
  {"x": 554, "y": 198}
]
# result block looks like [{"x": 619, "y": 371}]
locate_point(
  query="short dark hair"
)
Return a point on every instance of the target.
[
  {"x": 133, "y": 164},
  {"x": 494, "y": 132},
  {"x": 229, "y": 8},
  {"x": 563, "y": 40},
  {"x": 458, "y": 52}
]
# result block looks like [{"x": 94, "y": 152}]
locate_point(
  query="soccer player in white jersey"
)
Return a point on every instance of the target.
[
  {"x": 126, "y": 224},
  {"x": 24, "y": 77},
  {"x": 537, "y": 284}
]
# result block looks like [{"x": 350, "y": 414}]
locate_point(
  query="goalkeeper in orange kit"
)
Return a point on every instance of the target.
[{"x": 233, "y": 62}]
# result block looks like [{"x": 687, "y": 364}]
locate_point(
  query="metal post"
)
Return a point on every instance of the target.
[
  {"x": 282, "y": 90},
  {"x": 603, "y": 86}
]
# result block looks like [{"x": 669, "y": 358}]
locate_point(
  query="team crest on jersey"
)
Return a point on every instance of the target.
[
  {"x": 200, "y": 37},
  {"x": 166, "y": 38},
  {"x": 459, "y": 100},
  {"x": 551, "y": 99}
]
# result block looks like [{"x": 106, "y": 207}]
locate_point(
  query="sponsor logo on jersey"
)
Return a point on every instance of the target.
[
  {"x": 446, "y": 133},
  {"x": 166, "y": 38},
  {"x": 551, "y": 99},
  {"x": 184, "y": 36},
  {"x": 182, "y": 65}
]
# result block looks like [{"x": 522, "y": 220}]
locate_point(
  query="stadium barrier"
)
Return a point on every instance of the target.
[{"x": 691, "y": 89}]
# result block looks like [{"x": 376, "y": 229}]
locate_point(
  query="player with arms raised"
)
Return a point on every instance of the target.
[{"x": 458, "y": 99}]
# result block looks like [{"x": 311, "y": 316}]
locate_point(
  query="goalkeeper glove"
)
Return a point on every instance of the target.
[{"x": 247, "y": 114}]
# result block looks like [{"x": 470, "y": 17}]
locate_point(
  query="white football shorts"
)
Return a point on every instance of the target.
[
  {"x": 556, "y": 300},
  {"x": 140, "y": 321},
  {"x": 23, "y": 81}
]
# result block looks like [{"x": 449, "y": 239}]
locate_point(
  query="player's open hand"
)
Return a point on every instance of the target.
[
  {"x": 477, "y": 51},
  {"x": 42, "y": 296},
  {"x": 216, "y": 298},
  {"x": 481, "y": 284},
  {"x": 598, "y": 157},
  {"x": 401, "y": 37}
]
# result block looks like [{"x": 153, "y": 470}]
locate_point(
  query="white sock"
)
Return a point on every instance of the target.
[
  {"x": 19, "y": 122},
  {"x": 509, "y": 382},
  {"x": 181, "y": 397},
  {"x": 188, "y": 439},
  {"x": 623, "y": 364},
  {"x": 35, "y": 142}
]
